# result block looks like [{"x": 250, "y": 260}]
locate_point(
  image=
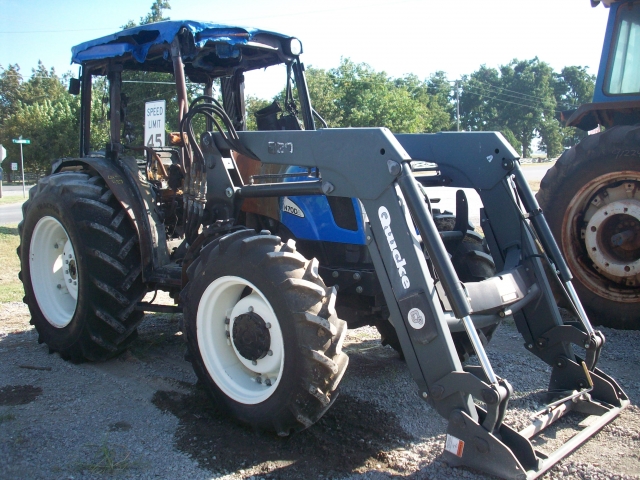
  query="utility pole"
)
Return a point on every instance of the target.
[
  {"x": 21, "y": 140},
  {"x": 457, "y": 105},
  {"x": 3, "y": 155}
]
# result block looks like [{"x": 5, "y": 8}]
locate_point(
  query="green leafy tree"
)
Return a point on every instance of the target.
[
  {"x": 441, "y": 102},
  {"x": 518, "y": 100},
  {"x": 530, "y": 85},
  {"x": 324, "y": 96},
  {"x": 10, "y": 91},
  {"x": 45, "y": 113},
  {"x": 573, "y": 87},
  {"x": 478, "y": 108},
  {"x": 355, "y": 95}
]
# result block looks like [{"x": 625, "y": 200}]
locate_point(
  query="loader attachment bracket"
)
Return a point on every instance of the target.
[{"x": 592, "y": 342}]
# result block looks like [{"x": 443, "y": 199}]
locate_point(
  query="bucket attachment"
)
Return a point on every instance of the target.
[{"x": 507, "y": 453}]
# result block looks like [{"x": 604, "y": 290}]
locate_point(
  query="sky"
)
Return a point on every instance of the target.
[{"x": 398, "y": 37}]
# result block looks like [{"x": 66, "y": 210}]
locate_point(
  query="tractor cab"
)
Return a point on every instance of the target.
[
  {"x": 153, "y": 75},
  {"x": 616, "y": 98},
  {"x": 200, "y": 59}
]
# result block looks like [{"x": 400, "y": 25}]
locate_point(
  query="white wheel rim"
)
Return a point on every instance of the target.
[
  {"x": 238, "y": 377},
  {"x": 53, "y": 271}
]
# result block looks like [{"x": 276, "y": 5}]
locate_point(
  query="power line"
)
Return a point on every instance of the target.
[
  {"x": 513, "y": 103},
  {"x": 58, "y": 31},
  {"x": 517, "y": 94},
  {"x": 537, "y": 100},
  {"x": 543, "y": 103}
]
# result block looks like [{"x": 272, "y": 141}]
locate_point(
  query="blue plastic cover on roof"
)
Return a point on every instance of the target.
[{"x": 138, "y": 40}]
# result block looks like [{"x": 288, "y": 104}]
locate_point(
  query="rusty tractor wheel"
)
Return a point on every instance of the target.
[{"x": 591, "y": 199}]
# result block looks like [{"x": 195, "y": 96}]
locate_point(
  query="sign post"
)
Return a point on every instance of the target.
[{"x": 21, "y": 140}]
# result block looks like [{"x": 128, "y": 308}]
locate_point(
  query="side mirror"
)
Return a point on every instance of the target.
[{"x": 74, "y": 86}]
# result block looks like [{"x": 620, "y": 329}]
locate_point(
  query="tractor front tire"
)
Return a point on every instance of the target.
[
  {"x": 262, "y": 331},
  {"x": 80, "y": 267},
  {"x": 591, "y": 199}
]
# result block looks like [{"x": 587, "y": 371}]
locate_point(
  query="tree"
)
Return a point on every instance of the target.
[
  {"x": 155, "y": 15},
  {"x": 10, "y": 91},
  {"x": 441, "y": 103},
  {"x": 43, "y": 111},
  {"x": 478, "y": 108},
  {"x": 530, "y": 85},
  {"x": 573, "y": 87},
  {"x": 355, "y": 95},
  {"x": 518, "y": 100}
]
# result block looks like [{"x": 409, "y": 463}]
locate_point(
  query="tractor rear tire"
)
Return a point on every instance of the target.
[
  {"x": 80, "y": 267},
  {"x": 591, "y": 199},
  {"x": 263, "y": 333}
]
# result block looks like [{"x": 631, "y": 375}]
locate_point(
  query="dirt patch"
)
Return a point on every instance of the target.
[
  {"x": 354, "y": 435},
  {"x": 19, "y": 394}
]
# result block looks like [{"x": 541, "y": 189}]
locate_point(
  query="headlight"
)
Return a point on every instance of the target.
[{"x": 295, "y": 46}]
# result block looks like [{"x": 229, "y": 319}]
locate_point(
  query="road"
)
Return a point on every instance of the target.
[
  {"x": 11, "y": 214},
  {"x": 447, "y": 196}
]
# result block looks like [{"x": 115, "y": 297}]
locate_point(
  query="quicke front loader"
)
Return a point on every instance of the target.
[{"x": 198, "y": 219}]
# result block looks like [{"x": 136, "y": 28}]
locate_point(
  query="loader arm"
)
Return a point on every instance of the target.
[{"x": 374, "y": 166}]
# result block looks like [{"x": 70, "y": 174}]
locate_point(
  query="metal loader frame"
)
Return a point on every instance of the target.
[{"x": 373, "y": 166}]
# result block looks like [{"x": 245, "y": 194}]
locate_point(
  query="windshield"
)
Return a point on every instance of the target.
[{"x": 624, "y": 67}]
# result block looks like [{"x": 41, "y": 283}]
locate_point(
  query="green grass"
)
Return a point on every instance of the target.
[
  {"x": 7, "y": 199},
  {"x": 108, "y": 459},
  {"x": 10, "y": 286},
  {"x": 6, "y": 417}
]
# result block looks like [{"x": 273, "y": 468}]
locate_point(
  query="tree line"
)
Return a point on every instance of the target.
[{"x": 521, "y": 99}]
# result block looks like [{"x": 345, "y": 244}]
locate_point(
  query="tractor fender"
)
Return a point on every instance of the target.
[
  {"x": 609, "y": 114},
  {"x": 135, "y": 196}
]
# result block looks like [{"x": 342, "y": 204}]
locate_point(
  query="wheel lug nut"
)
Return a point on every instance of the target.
[
  {"x": 268, "y": 382},
  {"x": 259, "y": 379},
  {"x": 226, "y": 321},
  {"x": 70, "y": 280},
  {"x": 59, "y": 287},
  {"x": 268, "y": 325},
  {"x": 228, "y": 334},
  {"x": 66, "y": 271},
  {"x": 67, "y": 262},
  {"x": 250, "y": 309},
  {"x": 254, "y": 362},
  {"x": 270, "y": 353}
]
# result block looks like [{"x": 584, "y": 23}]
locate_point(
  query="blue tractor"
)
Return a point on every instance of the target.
[
  {"x": 273, "y": 236},
  {"x": 591, "y": 196}
]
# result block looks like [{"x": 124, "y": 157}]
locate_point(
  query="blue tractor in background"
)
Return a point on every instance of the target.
[{"x": 591, "y": 197}]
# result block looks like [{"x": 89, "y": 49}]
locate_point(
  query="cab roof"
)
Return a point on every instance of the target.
[{"x": 208, "y": 48}]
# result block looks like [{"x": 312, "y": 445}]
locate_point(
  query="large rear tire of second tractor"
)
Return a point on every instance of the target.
[
  {"x": 263, "y": 333},
  {"x": 591, "y": 199}
]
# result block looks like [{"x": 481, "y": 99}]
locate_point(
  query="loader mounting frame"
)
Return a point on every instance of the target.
[{"x": 374, "y": 166}]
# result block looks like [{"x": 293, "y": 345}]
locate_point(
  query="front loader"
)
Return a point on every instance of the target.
[{"x": 266, "y": 238}]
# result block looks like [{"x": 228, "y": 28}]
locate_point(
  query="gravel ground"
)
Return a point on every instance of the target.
[{"x": 143, "y": 416}]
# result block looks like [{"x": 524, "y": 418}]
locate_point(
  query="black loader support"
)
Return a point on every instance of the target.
[{"x": 374, "y": 166}]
